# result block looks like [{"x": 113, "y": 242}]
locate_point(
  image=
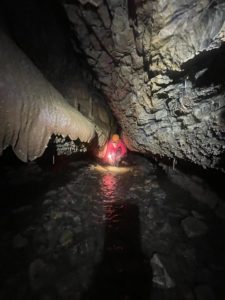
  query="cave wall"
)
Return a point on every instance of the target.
[{"x": 161, "y": 64}]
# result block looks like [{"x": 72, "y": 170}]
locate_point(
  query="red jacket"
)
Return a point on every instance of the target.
[{"x": 116, "y": 148}]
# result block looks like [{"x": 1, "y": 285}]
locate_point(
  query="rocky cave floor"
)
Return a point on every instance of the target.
[{"x": 73, "y": 232}]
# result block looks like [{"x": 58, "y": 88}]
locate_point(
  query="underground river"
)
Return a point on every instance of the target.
[{"x": 80, "y": 231}]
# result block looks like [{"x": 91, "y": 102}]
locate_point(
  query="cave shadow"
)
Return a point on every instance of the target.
[
  {"x": 124, "y": 272},
  {"x": 212, "y": 66},
  {"x": 19, "y": 187},
  {"x": 24, "y": 184}
]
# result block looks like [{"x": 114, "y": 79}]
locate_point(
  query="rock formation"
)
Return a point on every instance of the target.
[
  {"x": 161, "y": 66},
  {"x": 45, "y": 86},
  {"x": 31, "y": 110}
]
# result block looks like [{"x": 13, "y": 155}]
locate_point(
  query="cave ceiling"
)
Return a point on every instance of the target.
[{"x": 160, "y": 65}]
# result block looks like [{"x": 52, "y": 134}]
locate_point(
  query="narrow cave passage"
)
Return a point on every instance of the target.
[
  {"x": 88, "y": 234},
  {"x": 79, "y": 231}
]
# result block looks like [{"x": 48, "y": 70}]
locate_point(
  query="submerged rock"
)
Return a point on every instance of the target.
[
  {"x": 195, "y": 186},
  {"x": 160, "y": 276},
  {"x": 194, "y": 227},
  {"x": 66, "y": 238}
]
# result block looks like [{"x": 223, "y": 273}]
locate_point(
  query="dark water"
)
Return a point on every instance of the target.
[
  {"x": 124, "y": 272},
  {"x": 73, "y": 232}
]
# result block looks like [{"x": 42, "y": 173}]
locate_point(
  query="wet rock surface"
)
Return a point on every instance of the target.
[
  {"x": 160, "y": 64},
  {"x": 73, "y": 232},
  {"x": 194, "y": 227}
]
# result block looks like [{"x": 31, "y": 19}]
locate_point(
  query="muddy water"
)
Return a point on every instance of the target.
[{"x": 80, "y": 232}]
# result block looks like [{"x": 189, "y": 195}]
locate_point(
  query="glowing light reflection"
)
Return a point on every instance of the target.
[
  {"x": 110, "y": 191},
  {"x": 108, "y": 186}
]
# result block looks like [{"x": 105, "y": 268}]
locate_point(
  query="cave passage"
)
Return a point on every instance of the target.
[
  {"x": 73, "y": 232},
  {"x": 69, "y": 70}
]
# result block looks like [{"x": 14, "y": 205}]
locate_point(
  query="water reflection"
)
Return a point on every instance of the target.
[
  {"x": 108, "y": 186},
  {"x": 124, "y": 272}
]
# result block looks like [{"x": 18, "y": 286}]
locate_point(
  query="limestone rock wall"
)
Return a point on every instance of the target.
[{"x": 161, "y": 66}]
